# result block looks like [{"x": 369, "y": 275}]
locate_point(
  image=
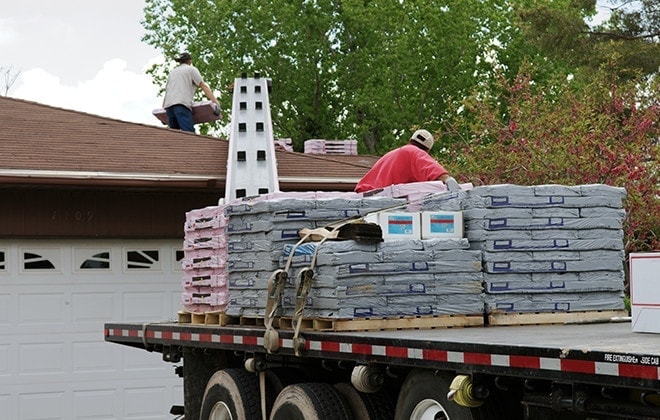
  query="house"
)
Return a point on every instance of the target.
[{"x": 91, "y": 228}]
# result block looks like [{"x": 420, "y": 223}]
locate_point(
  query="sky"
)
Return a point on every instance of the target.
[{"x": 85, "y": 55}]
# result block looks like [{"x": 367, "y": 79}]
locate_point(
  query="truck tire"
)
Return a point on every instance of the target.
[
  {"x": 423, "y": 395},
  {"x": 231, "y": 394},
  {"x": 376, "y": 406},
  {"x": 310, "y": 401},
  {"x": 279, "y": 378}
]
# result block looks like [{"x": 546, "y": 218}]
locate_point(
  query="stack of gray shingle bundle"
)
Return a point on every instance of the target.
[
  {"x": 548, "y": 248},
  {"x": 408, "y": 277},
  {"x": 257, "y": 231}
]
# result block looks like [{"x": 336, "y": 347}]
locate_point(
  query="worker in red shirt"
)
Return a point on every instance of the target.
[{"x": 409, "y": 163}]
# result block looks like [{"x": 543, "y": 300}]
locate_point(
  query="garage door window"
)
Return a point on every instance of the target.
[
  {"x": 41, "y": 260},
  {"x": 143, "y": 260},
  {"x": 100, "y": 261}
]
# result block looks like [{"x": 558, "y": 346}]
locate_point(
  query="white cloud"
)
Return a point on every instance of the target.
[
  {"x": 8, "y": 33},
  {"x": 113, "y": 92}
]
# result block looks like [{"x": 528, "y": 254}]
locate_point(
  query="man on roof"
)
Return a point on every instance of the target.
[
  {"x": 406, "y": 164},
  {"x": 182, "y": 83}
]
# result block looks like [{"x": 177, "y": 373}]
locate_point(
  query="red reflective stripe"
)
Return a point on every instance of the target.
[
  {"x": 439, "y": 355},
  {"x": 530, "y": 362},
  {"x": 362, "y": 349},
  {"x": 250, "y": 340},
  {"x": 132, "y": 333},
  {"x": 637, "y": 371},
  {"x": 582, "y": 366},
  {"x": 166, "y": 335},
  {"x": 205, "y": 338},
  {"x": 477, "y": 358},
  {"x": 332, "y": 346},
  {"x": 185, "y": 336},
  {"x": 227, "y": 339},
  {"x": 396, "y": 351}
]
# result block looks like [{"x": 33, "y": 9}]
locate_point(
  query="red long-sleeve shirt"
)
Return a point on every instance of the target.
[{"x": 406, "y": 164}]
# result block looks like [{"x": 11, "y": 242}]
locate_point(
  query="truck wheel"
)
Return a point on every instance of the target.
[
  {"x": 376, "y": 406},
  {"x": 231, "y": 394},
  {"x": 310, "y": 401},
  {"x": 424, "y": 396}
]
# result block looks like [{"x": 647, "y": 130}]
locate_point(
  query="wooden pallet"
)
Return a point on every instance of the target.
[
  {"x": 378, "y": 324},
  {"x": 222, "y": 319},
  {"x": 538, "y": 318},
  {"x": 207, "y": 318}
]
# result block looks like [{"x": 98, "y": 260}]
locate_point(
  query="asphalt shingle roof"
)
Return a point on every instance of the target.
[{"x": 40, "y": 142}]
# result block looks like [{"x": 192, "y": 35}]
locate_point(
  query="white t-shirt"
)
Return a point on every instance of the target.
[{"x": 181, "y": 85}]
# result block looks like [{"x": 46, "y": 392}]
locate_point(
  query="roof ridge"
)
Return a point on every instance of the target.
[{"x": 89, "y": 114}]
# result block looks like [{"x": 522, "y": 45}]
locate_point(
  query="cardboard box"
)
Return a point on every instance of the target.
[
  {"x": 442, "y": 224},
  {"x": 400, "y": 225},
  {"x": 645, "y": 291},
  {"x": 202, "y": 112}
]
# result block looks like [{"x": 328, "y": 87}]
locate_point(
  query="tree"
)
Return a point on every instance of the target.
[
  {"x": 370, "y": 70},
  {"x": 628, "y": 42},
  {"x": 10, "y": 77},
  {"x": 605, "y": 133}
]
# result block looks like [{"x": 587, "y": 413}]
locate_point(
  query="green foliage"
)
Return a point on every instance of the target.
[
  {"x": 557, "y": 30},
  {"x": 604, "y": 133},
  {"x": 364, "y": 69}
]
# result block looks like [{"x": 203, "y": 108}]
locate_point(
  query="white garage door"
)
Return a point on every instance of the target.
[{"x": 55, "y": 298}]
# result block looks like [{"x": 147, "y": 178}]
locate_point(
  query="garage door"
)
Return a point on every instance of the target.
[{"x": 55, "y": 298}]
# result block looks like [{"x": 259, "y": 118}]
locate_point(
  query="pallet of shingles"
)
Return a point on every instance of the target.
[{"x": 551, "y": 253}]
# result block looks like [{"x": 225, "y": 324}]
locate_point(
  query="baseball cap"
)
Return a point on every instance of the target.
[
  {"x": 183, "y": 57},
  {"x": 423, "y": 137}
]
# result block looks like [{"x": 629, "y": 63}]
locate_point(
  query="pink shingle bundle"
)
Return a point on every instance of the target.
[
  {"x": 205, "y": 261},
  {"x": 331, "y": 147}
]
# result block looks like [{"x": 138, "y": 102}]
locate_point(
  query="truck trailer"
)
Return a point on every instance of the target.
[{"x": 596, "y": 369}]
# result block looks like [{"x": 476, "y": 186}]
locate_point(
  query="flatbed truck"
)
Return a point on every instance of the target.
[
  {"x": 591, "y": 370},
  {"x": 592, "y": 367}
]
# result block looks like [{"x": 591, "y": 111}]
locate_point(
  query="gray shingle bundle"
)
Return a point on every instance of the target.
[
  {"x": 396, "y": 278},
  {"x": 548, "y": 247}
]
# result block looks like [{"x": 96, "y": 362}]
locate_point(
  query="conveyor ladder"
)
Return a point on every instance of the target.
[{"x": 251, "y": 163}]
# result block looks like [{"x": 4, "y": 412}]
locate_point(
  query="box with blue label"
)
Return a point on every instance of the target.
[
  {"x": 400, "y": 225},
  {"x": 442, "y": 224}
]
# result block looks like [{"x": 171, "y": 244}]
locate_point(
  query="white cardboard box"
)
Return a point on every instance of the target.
[
  {"x": 400, "y": 225},
  {"x": 442, "y": 224},
  {"x": 645, "y": 291}
]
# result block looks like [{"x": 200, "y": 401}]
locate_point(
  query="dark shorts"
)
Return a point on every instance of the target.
[{"x": 180, "y": 118}]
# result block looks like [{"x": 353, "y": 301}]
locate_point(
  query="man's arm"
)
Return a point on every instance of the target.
[{"x": 208, "y": 92}]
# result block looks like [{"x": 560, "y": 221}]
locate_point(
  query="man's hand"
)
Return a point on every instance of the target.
[{"x": 451, "y": 184}]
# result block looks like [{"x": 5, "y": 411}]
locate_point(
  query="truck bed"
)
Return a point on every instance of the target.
[{"x": 599, "y": 353}]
